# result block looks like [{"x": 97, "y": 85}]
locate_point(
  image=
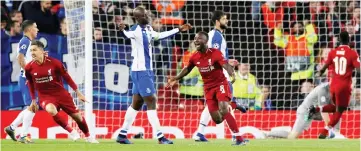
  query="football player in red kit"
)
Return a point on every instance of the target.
[
  {"x": 45, "y": 75},
  {"x": 343, "y": 60},
  {"x": 210, "y": 63}
]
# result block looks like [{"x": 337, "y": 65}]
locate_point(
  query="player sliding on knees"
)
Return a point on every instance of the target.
[
  {"x": 343, "y": 60},
  {"x": 143, "y": 90},
  {"x": 319, "y": 96},
  {"x": 44, "y": 75},
  {"x": 211, "y": 63}
]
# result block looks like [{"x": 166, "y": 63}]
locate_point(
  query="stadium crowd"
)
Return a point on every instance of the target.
[{"x": 279, "y": 45}]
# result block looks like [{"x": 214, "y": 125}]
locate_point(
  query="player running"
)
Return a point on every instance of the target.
[
  {"x": 211, "y": 63},
  {"x": 44, "y": 75},
  {"x": 141, "y": 36},
  {"x": 319, "y": 96},
  {"x": 342, "y": 60},
  {"x": 216, "y": 41},
  {"x": 26, "y": 116}
]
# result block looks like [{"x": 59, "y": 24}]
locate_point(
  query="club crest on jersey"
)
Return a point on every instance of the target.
[
  {"x": 50, "y": 77},
  {"x": 210, "y": 62},
  {"x": 216, "y": 45},
  {"x": 23, "y": 46}
]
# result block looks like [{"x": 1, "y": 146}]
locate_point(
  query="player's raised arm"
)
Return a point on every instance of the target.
[
  {"x": 165, "y": 34},
  {"x": 185, "y": 71},
  {"x": 128, "y": 34}
]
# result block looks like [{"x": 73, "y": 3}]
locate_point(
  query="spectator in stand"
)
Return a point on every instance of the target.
[
  {"x": 63, "y": 27},
  {"x": 267, "y": 103},
  {"x": 272, "y": 14},
  {"x": 99, "y": 15},
  {"x": 245, "y": 88},
  {"x": 13, "y": 29},
  {"x": 351, "y": 5},
  {"x": 98, "y": 34},
  {"x": 298, "y": 49},
  {"x": 356, "y": 18},
  {"x": 59, "y": 10},
  {"x": 16, "y": 16},
  {"x": 4, "y": 22},
  {"x": 46, "y": 21}
]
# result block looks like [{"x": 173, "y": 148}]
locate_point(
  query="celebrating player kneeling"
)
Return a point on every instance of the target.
[
  {"x": 217, "y": 90},
  {"x": 44, "y": 74}
]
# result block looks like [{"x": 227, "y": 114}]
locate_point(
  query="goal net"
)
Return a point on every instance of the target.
[{"x": 279, "y": 46}]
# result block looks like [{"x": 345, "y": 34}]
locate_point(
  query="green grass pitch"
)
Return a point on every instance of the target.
[{"x": 186, "y": 145}]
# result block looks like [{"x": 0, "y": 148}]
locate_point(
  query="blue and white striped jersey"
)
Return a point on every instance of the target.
[
  {"x": 141, "y": 37},
  {"x": 24, "y": 48},
  {"x": 217, "y": 41}
]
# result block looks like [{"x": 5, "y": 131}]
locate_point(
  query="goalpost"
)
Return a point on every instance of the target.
[
  {"x": 80, "y": 62},
  {"x": 100, "y": 60}
]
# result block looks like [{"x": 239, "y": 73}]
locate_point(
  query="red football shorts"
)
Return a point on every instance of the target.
[
  {"x": 64, "y": 102},
  {"x": 341, "y": 95},
  {"x": 216, "y": 94}
]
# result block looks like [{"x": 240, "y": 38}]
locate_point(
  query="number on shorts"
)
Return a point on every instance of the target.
[
  {"x": 340, "y": 65},
  {"x": 222, "y": 89}
]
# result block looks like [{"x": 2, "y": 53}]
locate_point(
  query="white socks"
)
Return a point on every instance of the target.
[
  {"x": 204, "y": 121},
  {"x": 128, "y": 120},
  {"x": 27, "y": 121},
  {"x": 154, "y": 121},
  {"x": 18, "y": 120}
]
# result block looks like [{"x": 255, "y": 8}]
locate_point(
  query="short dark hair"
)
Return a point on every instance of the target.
[
  {"x": 37, "y": 43},
  {"x": 344, "y": 37},
  {"x": 26, "y": 24},
  {"x": 12, "y": 13},
  {"x": 203, "y": 33},
  {"x": 217, "y": 15},
  {"x": 10, "y": 24}
]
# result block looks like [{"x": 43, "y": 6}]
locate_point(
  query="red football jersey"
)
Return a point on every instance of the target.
[
  {"x": 46, "y": 78},
  {"x": 210, "y": 66},
  {"x": 342, "y": 60}
]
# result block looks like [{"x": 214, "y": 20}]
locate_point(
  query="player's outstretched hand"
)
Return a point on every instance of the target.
[
  {"x": 33, "y": 106},
  {"x": 233, "y": 62},
  {"x": 171, "y": 82},
  {"x": 121, "y": 26},
  {"x": 185, "y": 27},
  {"x": 81, "y": 96}
]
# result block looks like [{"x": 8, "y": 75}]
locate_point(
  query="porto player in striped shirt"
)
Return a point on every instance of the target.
[
  {"x": 211, "y": 63},
  {"x": 44, "y": 75},
  {"x": 343, "y": 60}
]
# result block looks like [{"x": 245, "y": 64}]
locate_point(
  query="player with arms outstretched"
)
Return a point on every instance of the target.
[
  {"x": 141, "y": 35},
  {"x": 217, "y": 41},
  {"x": 44, "y": 75},
  {"x": 343, "y": 60},
  {"x": 211, "y": 63},
  {"x": 26, "y": 116}
]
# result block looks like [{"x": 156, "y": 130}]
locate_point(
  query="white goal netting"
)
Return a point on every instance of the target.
[{"x": 279, "y": 46}]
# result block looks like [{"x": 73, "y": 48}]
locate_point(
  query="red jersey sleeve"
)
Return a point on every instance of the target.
[
  {"x": 356, "y": 60},
  {"x": 64, "y": 73},
  {"x": 190, "y": 64},
  {"x": 30, "y": 82},
  {"x": 218, "y": 57}
]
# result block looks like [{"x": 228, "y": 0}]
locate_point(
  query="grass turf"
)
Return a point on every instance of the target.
[{"x": 186, "y": 145}]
